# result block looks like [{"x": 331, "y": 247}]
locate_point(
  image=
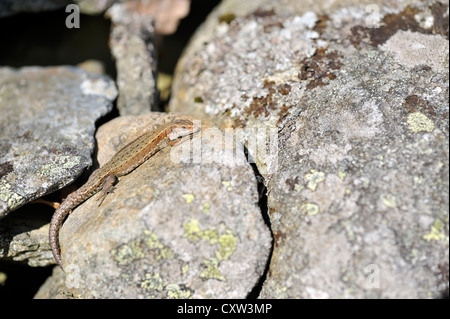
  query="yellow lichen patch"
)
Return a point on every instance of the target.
[
  {"x": 298, "y": 188},
  {"x": 228, "y": 243},
  {"x": 11, "y": 198},
  {"x": 185, "y": 269},
  {"x": 192, "y": 229},
  {"x": 152, "y": 282},
  {"x": 388, "y": 200},
  {"x": 310, "y": 208},
  {"x": 217, "y": 235},
  {"x": 341, "y": 175},
  {"x": 174, "y": 291},
  {"x": 189, "y": 198},
  {"x": 126, "y": 253},
  {"x": 59, "y": 165},
  {"x": 437, "y": 231},
  {"x": 206, "y": 208},
  {"x": 418, "y": 122},
  {"x": 153, "y": 242},
  {"x": 212, "y": 270},
  {"x": 314, "y": 177},
  {"x": 136, "y": 249},
  {"x": 227, "y": 184}
]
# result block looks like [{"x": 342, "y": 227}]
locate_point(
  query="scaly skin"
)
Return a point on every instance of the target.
[{"x": 122, "y": 163}]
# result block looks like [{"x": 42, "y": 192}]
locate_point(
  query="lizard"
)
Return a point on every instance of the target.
[{"x": 123, "y": 162}]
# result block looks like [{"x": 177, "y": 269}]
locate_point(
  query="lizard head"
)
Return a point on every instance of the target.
[{"x": 181, "y": 128}]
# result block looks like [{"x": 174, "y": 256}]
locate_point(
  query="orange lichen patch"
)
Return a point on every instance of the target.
[
  {"x": 405, "y": 20},
  {"x": 258, "y": 107},
  {"x": 262, "y": 105},
  {"x": 414, "y": 103},
  {"x": 284, "y": 111},
  {"x": 6, "y": 168},
  {"x": 319, "y": 67},
  {"x": 440, "y": 15},
  {"x": 321, "y": 24},
  {"x": 239, "y": 123},
  {"x": 291, "y": 182},
  {"x": 284, "y": 89}
]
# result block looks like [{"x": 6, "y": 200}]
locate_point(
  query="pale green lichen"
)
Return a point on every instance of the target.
[
  {"x": 418, "y": 122},
  {"x": 206, "y": 208},
  {"x": 228, "y": 244},
  {"x": 342, "y": 175},
  {"x": 192, "y": 229},
  {"x": 218, "y": 235},
  {"x": 59, "y": 165},
  {"x": 135, "y": 249},
  {"x": 126, "y": 253},
  {"x": 348, "y": 226},
  {"x": 189, "y": 198},
  {"x": 388, "y": 200},
  {"x": 153, "y": 242},
  {"x": 437, "y": 231},
  {"x": 212, "y": 270},
  {"x": 298, "y": 188},
  {"x": 174, "y": 291},
  {"x": 310, "y": 208},
  {"x": 11, "y": 198},
  {"x": 210, "y": 235},
  {"x": 153, "y": 282},
  {"x": 314, "y": 177},
  {"x": 185, "y": 269},
  {"x": 227, "y": 184}
]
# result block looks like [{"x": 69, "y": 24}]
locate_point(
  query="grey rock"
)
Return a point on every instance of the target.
[
  {"x": 55, "y": 287},
  {"x": 358, "y": 186},
  {"x": 172, "y": 228},
  {"x": 24, "y": 238},
  {"x": 47, "y": 129},
  {"x": 132, "y": 45},
  {"x": 166, "y": 13}
]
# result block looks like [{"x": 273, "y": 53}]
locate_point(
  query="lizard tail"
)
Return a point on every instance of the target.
[{"x": 55, "y": 225}]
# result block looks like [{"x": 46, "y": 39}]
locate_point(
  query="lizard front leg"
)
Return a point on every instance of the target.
[{"x": 107, "y": 187}]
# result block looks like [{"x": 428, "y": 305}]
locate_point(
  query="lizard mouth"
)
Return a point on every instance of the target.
[{"x": 173, "y": 136}]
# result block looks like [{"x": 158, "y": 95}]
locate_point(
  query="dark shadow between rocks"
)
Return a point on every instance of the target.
[{"x": 262, "y": 203}]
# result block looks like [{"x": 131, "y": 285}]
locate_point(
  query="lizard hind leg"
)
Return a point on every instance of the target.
[{"x": 107, "y": 187}]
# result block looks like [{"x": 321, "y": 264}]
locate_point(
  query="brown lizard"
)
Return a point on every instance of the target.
[{"x": 122, "y": 163}]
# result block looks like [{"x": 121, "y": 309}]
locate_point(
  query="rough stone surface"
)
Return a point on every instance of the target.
[
  {"x": 47, "y": 129},
  {"x": 24, "y": 237},
  {"x": 358, "y": 191},
  {"x": 166, "y": 13},
  {"x": 132, "y": 45},
  {"x": 171, "y": 229}
]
